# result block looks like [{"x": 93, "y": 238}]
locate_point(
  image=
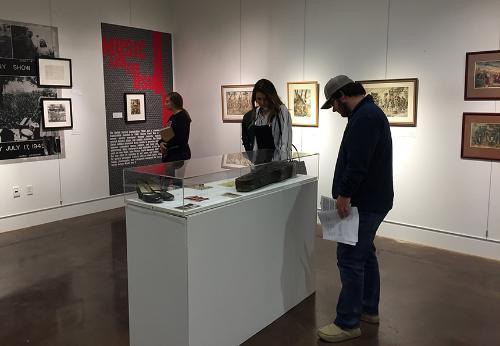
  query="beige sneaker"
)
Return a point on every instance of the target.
[
  {"x": 333, "y": 333},
  {"x": 373, "y": 319}
]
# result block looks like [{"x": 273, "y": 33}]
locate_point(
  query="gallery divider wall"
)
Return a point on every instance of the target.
[{"x": 441, "y": 200}]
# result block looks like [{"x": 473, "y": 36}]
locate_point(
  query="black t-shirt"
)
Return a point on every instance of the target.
[{"x": 178, "y": 146}]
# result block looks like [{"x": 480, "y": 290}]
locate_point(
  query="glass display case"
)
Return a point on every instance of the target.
[
  {"x": 187, "y": 187},
  {"x": 210, "y": 237}
]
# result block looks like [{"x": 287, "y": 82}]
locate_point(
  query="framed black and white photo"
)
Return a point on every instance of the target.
[
  {"x": 54, "y": 73},
  {"x": 57, "y": 114},
  {"x": 135, "y": 107}
]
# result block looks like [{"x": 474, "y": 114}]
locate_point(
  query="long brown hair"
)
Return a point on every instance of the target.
[{"x": 266, "y": 87}]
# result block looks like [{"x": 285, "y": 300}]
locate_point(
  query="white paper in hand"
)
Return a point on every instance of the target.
[{"x": 337, "y": 229}]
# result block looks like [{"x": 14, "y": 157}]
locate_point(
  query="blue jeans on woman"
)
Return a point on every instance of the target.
[{"x": 359, "y": 274}]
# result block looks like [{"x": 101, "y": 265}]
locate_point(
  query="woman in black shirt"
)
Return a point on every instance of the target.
[{"x": 177, "y": 148}]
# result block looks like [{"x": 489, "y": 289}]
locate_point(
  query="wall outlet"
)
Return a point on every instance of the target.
[
  {"x": 16, "y": 192},
  {"x": 29, "y": 190}
]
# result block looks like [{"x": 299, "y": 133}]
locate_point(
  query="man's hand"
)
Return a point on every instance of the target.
[{"x": 343, "y": 206}]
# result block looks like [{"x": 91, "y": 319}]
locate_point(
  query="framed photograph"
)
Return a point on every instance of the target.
[
  {"x": 235, "y": 160},
  {"x": 236, "y": 101},
  {"x": 135, "y": 107},
  {"x": 56, "y": 114},
  {"x": 303, "y": 103},
  {"x": 482, "y": 75},
  {"x": 481, "y": 136},
  {"x": 54, "y": 73},
  {"x": 397, "y": 98}
]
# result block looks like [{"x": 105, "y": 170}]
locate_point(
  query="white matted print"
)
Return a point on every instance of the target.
[
  {"x": 54, "y": 73},
  {"x": 303, "y": 104},
  {"x": 57, "y": 114},
  {"x": 135, "y": 107},
  {"x": 236, "y": 101}
]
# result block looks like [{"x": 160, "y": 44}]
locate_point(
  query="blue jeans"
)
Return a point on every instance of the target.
[{"x": 359, "y": 274}]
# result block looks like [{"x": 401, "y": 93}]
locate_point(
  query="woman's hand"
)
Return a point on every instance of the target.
[{"x": 163, "y": 147}]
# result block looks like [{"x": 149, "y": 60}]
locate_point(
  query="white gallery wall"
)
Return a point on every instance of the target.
[
  {"x": 440, "y": 199},
  {"x": 61, "y": 185}
]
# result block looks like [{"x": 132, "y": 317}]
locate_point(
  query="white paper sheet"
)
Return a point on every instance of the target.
[{"x": 334, "y": 228}]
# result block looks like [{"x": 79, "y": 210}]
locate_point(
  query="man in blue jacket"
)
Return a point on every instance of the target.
[{"x": 362, "y": 179}]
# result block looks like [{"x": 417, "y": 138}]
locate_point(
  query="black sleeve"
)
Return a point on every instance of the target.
[{"x": 244, "y": 136}]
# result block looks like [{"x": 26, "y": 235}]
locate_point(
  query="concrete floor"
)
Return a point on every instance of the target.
[{"x": 65, "y": 283}]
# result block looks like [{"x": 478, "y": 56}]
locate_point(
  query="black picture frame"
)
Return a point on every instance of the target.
[
  {"x": 135, "y": 107},
  {"x": 54, "y": 73},
  {"x": 57, "y": 113}
]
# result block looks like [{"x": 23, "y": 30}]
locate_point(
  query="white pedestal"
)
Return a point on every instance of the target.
[{"x": 217, "y": 277}]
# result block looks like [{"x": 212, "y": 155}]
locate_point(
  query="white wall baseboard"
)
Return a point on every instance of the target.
[
  {"x": 38, "y": 217},
  {"x": 482, "y": 247}
]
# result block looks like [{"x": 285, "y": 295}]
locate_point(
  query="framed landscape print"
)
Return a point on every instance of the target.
[
  {"x": 135, "y": 107},
  {"x": 54, "y": 73},
  {"x": 56, "y": 114},
  {"x": 397, "y": 98},
  {"x": 481, "y": 136},
  {"x": 482, "y": 75},
  {"x": 236, "y": 101},
  {"x": 303, "y": 103}
]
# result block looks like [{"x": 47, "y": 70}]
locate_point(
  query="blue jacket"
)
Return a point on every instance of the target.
[{"x": 364, "y": 164}]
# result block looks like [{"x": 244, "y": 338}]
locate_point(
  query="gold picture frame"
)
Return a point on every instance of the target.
[
  {"x": 397, "y": 98},
  {"x": 303, "y": 103}
]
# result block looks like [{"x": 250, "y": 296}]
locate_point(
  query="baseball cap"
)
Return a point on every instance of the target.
[{"x": 334, "y": 85}]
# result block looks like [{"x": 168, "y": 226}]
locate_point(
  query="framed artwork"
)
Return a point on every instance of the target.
[
  {"x": 56, "y": 114},
  {"x": 135, "y": 107},
  {"x": 236, "y": 101},
  {"x": 482, "y": 75},
  {"x": 235, "y": 160},
  {"x": 303, "y": 103},
  {"x": 397, "y": 98},
  {"x": 54, "y": 73},
  {"x": 481, "y": 136}
]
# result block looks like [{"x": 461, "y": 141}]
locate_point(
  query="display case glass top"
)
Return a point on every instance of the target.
[{"x": 191, "y": 186}]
